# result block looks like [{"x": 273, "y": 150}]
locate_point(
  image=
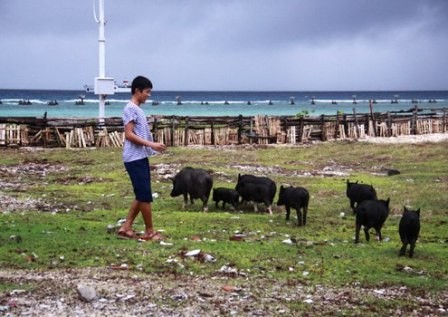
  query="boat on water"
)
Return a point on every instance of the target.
[
  {"x": 80, "y": 101},
  {"x": 119, "y": 88},
  {"x": 23, "y": 102}
]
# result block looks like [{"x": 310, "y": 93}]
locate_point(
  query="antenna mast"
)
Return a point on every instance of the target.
[
  {"x": 102, "y": 41},
  {"x": 103, "y": 85}
]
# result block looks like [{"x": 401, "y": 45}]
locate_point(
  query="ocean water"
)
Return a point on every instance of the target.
[{"x": 219, "y": 103}]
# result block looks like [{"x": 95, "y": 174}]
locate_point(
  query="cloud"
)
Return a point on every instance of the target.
[{"x": 229, "y": 44}]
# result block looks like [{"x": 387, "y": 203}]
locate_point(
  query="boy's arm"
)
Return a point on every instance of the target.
[
  {"x": 131, "y": 136},
  {"x": 134, "y": 138}
]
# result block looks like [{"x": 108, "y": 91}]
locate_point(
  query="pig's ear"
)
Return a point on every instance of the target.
[
  {"x": 405, "y": 209},
  {"x": 418, "y": 211},
  {"x": 388, "y": 201}
]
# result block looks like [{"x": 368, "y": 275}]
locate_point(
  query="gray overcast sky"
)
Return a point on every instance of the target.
[{"x": 229, "y": 44}]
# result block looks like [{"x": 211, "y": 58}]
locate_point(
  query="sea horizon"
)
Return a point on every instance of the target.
[{"x": 219, "y": 103}]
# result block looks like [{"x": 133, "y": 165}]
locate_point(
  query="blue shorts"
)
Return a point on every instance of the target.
[{"x": 140, "y": 176}]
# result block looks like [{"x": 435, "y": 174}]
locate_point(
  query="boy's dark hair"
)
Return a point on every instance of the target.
[{"x": 140, "y": 83}]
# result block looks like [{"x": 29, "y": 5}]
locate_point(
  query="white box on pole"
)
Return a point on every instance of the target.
[{"x": 104, "y": 86}]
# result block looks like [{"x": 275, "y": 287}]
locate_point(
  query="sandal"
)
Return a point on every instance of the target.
[
  {"x": 126, "y": 234},
  {"x": 155, "y": 236}
]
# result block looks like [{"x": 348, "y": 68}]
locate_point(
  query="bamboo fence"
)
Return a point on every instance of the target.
[{"x": 184, "y": 131}]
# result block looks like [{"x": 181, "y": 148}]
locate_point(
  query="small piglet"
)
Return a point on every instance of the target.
[
  {"x": 297, "y": 198},
  {"x": 371, "y": 214},
  {"x": 226, "y": 195},
  {"x": 409, "y": 229}
]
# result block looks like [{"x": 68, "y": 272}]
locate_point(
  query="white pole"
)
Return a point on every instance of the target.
[{"x": 102, "y": 58}]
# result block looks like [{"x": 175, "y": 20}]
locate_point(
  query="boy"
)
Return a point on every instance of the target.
[{"x": 138, "y": 145}]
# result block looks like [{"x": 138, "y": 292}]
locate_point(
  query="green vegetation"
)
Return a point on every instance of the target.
[
  {"x": 77, "y": 194},
  {"x": 305, "y": 113}
]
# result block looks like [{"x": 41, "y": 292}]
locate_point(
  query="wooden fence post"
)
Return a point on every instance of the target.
[
  {"x": 323, "y": 137},
  {"x": 186, "y": 141},
  {"x": 240, "y": 127},
  {"x": 173, "y": 128},
  {"x": 300, "y": 129},
  {"x": 285, "y": 129},
  {"x": 336, "y": 130},
  {"x": 154, "y": 128},
  {"x": 389, "y": 124},
  {"x": 356, "y": 123},
  {"x": 212, "y": 125},
  {"x": 414, "y": 123},
  {"x": 373, "y": 117},
  {"x": 45, "y": 135},
  {"x": 344, "y": 122},
  {"x": 251, "y": 134},
  {"x": 444, "y": 121}
]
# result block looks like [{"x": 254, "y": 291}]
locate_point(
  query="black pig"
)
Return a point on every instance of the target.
[
  {"x": 357, "y": 193},
  {"x": 226, "y": 195},
  {"x": 409, "y": 229},
  {"x": 258, "y": 189},
  {"x": 195, "y": 182},
  {"x": 297, "y": 198},
  {"x": 371, "y": 214}
]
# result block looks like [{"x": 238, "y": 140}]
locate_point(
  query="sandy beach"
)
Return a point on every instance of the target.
[{"x": 422, "y": 138}]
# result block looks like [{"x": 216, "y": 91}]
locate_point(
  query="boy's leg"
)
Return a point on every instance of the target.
[
  {"x": 145, "y": 208},
  {"x": 150, "y": 233},
  {"x": 133, "y": 212}
]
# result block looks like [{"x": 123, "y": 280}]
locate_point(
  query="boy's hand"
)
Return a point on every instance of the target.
[{"x": 159, "y": 147}]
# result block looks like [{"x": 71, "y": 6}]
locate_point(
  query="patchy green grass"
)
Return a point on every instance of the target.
[{"x": 91, "y": 191}]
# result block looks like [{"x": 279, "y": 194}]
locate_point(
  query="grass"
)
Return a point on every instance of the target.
[{"x": 89, "y": 190}]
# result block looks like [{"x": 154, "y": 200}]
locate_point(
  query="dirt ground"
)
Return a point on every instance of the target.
[
  {"x": 121, "y": 292},
  {"x": 118, "y": 292}
]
